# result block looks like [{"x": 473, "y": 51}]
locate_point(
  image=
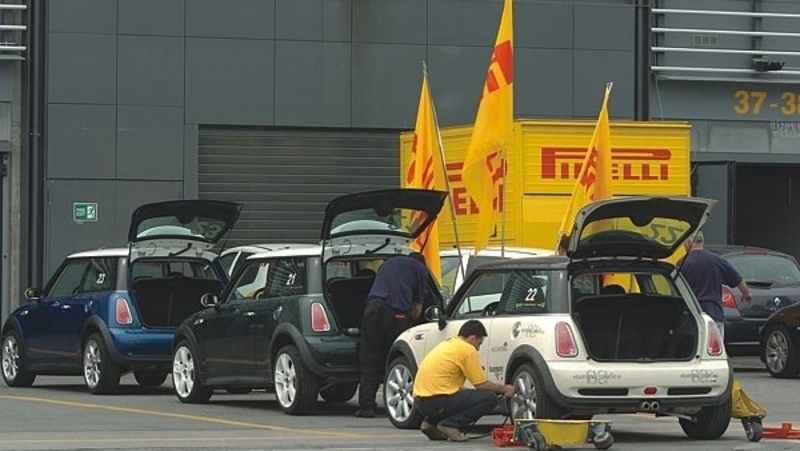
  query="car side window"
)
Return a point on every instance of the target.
[
  {"x": 251, "y": 281},
  {"x": 100, "y": 275},
  {"x": 286, "y": 277},
  {"x": 450, "y": 268},
  {"x": 227, "y": 262},
  {"x": 68, "y": 280},
  {"x": 482, "y": 296},
  {"x": 525, "y": 293}
]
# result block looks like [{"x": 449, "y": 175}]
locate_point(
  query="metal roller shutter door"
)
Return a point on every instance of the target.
[{"x": 284, "y": 177}]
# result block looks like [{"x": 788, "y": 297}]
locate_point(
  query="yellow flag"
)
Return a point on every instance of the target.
[
  {"x": 426, "y": 171},
  {"x": 484, "y": 167},
  {"x": 594, "y": 179}
]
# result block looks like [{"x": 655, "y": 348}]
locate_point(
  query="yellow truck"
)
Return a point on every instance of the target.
[{"x": 648, "y": 158}]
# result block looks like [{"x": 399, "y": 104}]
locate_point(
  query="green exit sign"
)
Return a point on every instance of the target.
[{"x": 84, "y": 212}]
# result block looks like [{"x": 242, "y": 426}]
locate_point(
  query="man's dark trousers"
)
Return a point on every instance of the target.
[
  {"x": 459, "y": 410},
  {"x": 380, "y": 327}
]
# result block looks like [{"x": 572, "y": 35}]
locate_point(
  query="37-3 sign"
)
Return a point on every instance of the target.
[{"x": 787, "y": 103}]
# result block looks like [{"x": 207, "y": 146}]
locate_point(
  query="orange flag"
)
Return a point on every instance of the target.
[
  {"x": 594, "y": 179},
  {"x": 426, "y": 170},
  {"x": 484, "y": 167}
]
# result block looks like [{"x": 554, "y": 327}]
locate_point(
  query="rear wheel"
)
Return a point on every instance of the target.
[
  {"x": 150, "y": 378},
  {"x": 295, "y": 387},
  {"x": 710, "y": 423},
  {"x": 781, "y": 355},
  {"x": 338, "y": 394},
  {"x": 100, "y": 374},
  {"x": 532, "y": 400},
  {"x": 12, "y": 362},
  {"x": 186, "y": 378},
  {"x": 398, "y": 396}
]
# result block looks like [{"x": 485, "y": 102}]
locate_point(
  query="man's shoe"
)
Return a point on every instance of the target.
[
  {"x": 365, "y": 412},
  {"x": 432, "y": 432},
  {"x": 452, "y": 433}
]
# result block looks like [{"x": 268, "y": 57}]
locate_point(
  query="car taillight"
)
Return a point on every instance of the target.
[
  {"x": 565, "y": 341},
  {"x": 123, "y": 312},
  {"x": 715, "y": 345},
  {"x": 319, "y": 319},
  {"x": 728, "y": 298}
]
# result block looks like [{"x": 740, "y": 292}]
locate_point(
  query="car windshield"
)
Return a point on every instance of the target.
[
  {"x": 766, "y": 269},
  {"x": 144, "y": 268}
]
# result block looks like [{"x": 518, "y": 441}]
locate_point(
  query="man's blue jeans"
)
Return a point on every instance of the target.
[{"x": 459, "y": 410}]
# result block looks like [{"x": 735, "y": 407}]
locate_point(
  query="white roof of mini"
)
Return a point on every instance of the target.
[
  {"x": 305, "y": 250},
  {"x": 102, "y": 252},
  {"x": 508, "y": 252},
  {"x": 267, "y": 247}
]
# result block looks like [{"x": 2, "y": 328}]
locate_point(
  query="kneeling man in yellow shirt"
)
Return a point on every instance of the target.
[{"x": 449, "y": 408}]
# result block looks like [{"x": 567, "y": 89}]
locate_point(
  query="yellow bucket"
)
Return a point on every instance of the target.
[{"x": 563, "y": 432}]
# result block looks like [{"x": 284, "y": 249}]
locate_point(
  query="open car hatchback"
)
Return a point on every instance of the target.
[
  {"x": 610, "y": 328},
  {"x": 109, "y": 311}
]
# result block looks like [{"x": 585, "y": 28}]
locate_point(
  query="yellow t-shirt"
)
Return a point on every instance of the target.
[{"x": 444, "y": 370}]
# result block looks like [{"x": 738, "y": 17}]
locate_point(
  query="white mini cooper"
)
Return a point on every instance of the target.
[{"x": 609, "y": 328}]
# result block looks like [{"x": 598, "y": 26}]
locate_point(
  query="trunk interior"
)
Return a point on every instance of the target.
[
  {"x": 347, "y": 297},
  {"x": 167, "y": 301},
  {"x": 635, "y": 327}
]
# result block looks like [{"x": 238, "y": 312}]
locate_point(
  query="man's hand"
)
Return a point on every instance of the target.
[
  {"x": 509, "y": 391},
  {"x": 416, "y": 310}
]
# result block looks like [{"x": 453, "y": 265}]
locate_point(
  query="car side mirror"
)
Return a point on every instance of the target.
[
  {"x": 432, "y": 314},
  {"x": 209, "y": 300},
  {"x": 33, "y": 294}
]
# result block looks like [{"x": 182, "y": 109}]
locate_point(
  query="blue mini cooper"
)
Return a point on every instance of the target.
[{"x": 110, "y": 311}]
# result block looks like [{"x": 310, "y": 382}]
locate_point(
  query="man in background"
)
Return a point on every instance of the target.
[
  {"x": 394, "y": 302},
  {"x": 706, "y": 272}
]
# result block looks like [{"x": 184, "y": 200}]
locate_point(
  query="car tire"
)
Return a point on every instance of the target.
[
  {"x": 710, "y": 423},
  {"x": 13, "y": 355},
  {"x": 781, "y": 354},
  {"x": 532, "y": 400},
  {"x": 398, "y": 395},
  {"x": 100, "y": 373},
  {"x": 339, "y": 393},
  {"x": 186, "y": 376},
  {"x": 150, "y": 378},
  {"x": 295, "y": 387}
]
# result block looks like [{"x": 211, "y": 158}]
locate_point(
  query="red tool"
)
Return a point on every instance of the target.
[{"x": 785, "y": 431}]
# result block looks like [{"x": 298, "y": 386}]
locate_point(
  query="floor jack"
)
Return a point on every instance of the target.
[
  {"x": 546, "y": 435},
  {"x": 748, "y": 411}
]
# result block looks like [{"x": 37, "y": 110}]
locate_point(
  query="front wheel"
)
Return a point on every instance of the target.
[
  {"x": 710, "y": 423},
  {"x": 781, "y": 356},
  {"x": 186, "y": 378},
  {"x": 12, "y": 362},
  {"x": 295, "y": 387},
  {"x": 398, "y": 395},
  {"x": 100, "y": 374}
]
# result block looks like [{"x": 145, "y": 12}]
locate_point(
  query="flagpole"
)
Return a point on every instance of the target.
[
  {"x": 504, "y": 166},
  {"x": 446, "y": 178}
]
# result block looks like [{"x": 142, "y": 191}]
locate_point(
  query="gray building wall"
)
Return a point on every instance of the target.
[{"x": 131, "y": 81}]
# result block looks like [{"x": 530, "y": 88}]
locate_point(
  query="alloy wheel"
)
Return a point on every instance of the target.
[
  {"x": 10, "y": 358},
  {"x": 398, "y": 392},
  {"x": 776, "y": 351},
  {"x": 285, "y": 380},
  {"x": 91, "y": 363},
  {"x": 183, "y": 372},
  {"x": 523, "y": 404}
]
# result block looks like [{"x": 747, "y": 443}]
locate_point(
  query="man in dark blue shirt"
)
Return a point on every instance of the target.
[
  {"x": 393, "y": 303},
  {"x": 706, "y": 272}
]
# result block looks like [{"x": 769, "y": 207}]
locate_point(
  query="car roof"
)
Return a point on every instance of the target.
[
  {"x": 101, "y": 252},
  {"x": 544, "y": 261},
  {"x": 308, "y": 250},
  {"x": 267, "y": 247},
  {"x": 508, "y": 252},
  {"x": 729, "y": 249}
]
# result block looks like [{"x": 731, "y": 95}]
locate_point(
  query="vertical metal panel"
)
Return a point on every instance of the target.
[
  {"x": 714, "y": 180},
  {"x": 285, "y": 177}
]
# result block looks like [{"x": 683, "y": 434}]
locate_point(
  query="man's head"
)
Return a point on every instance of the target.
[
  {"x": 695, "y": 241},
  {"x": 473, "y": 332},
  {"x": 563, "y": 244}
]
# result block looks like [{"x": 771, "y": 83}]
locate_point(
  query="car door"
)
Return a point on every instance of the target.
[
  {"x": 284, "y": 284},
  {"x": 49, "y": 324}
]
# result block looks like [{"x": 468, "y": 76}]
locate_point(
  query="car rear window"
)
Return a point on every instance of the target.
[{"x": 766, "y": 269}]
